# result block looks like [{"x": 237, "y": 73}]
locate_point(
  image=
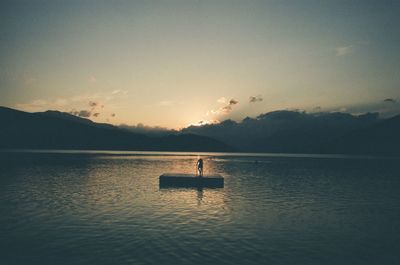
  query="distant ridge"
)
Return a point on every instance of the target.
[
  {"x": 287, "y": 131},
  {"x": 58, "y": 130},
  {"x": 274, "y": 132},
  {"x": 382, "y": 138}
]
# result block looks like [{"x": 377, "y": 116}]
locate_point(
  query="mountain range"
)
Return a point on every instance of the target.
[
  {"x": 278, "y": 131},
  {"x": 59, "y": 130},
  {"x": 300, "y": 132}
]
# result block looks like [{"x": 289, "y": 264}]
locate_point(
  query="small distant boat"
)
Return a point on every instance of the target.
[{"x": 191, "y": 180}]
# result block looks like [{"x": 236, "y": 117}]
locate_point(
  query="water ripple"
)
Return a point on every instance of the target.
[{"x": 74, "y": 208}]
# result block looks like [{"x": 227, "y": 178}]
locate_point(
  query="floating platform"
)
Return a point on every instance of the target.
[{"x": 191, "y": 180}]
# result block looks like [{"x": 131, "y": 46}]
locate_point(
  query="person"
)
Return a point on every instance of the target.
[{"x": 200, "y": 167}]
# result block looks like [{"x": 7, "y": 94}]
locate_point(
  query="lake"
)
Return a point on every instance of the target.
[{"x": 61, "y": 207}]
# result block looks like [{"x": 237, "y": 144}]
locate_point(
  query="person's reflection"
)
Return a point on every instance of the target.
[{"x": 199, "y": 195}]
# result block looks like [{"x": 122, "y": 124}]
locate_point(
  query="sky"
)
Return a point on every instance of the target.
[{"x": 176, "y": 63}]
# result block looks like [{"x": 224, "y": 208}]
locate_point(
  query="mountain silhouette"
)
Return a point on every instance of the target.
[
  {"x": 382, "y": 138},
  {"x": 277, "y": 131},
  {"x": 300, "y": 132},
  {"x": 58, "y": 130},
  {"x": 285, "y": 131}
]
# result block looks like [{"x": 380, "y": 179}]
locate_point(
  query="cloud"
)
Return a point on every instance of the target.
[
  {"x": 84, "y": 113},
  {"x": 118, "y": 92},
  {"x": 221, "y": 100},
  {"x": 82, "y": 101},
  {"x": 204, "y": 122},
  {"x": 318, "y": 108},
  {"x": 148, "y": 130},
  {"x": 81, "y": 113},
  {"x": 386, "y": 108},
  {"x": 225, "y": 109},
  {"x": 93, "y": 104},
  {"x": 254, "y": 99},
  {"x": 344, "y": 50},
  {"x": 61, "y": 102},
  {"x": 233, "y": 102},
  {"x": 90, "y": 97},
  {"x": 390, "y": 100},
  {"x": 228, "y": 108}
]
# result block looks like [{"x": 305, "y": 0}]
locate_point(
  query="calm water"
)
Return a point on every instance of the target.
[{"x": 107, "y": 208}]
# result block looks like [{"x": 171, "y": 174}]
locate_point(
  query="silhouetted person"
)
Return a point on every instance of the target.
[{"x": 200, "y": 167}]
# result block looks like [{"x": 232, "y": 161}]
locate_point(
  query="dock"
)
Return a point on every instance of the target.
[{"x": 191, "y": 180}]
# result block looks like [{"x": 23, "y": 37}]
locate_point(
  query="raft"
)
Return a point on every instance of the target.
[{"x": 191, "y": 180}]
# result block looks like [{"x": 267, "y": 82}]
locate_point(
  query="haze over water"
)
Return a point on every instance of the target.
[{"x": 107, "y": 208}]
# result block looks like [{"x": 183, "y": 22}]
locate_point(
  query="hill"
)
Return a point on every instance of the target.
[
  {"x": 382, "y": 138},
  {"x": 57, "y": 130},
  {"x": 278, "y": 131},
  {"x": 286, "y": 131}
]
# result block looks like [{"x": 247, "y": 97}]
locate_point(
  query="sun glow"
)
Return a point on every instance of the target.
[{"x": 204, "y": 122}]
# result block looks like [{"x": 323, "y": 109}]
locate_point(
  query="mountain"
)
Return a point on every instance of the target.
[
  {"x": 277, "y": 131},
  {"x": 285, "y": 131},
  {"x": 382, "y": 138},
  {"x": 58, "y": 130}
]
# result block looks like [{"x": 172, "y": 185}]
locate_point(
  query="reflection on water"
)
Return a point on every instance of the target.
[{"x": 107, "y": 208}]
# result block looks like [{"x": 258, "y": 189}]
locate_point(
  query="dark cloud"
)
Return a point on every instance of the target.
[
  {"x": 389, "y": 100},
  {"x": 254, "y": 99},
  {"x": 233, "y": 102},
  {"x": 386, "y": 107},
  {"x": 318, "y": 108},
  {"x": 96, "y": 114},
  {"x": 228, "y": 108},
  {"x": 84, "y": 113},
  {"x": 93, "y": 104},
  {"x": 81, "y": 113}
]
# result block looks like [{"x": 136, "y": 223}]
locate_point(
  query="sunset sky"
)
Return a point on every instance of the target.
[{"x": 175, "y": 63}]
